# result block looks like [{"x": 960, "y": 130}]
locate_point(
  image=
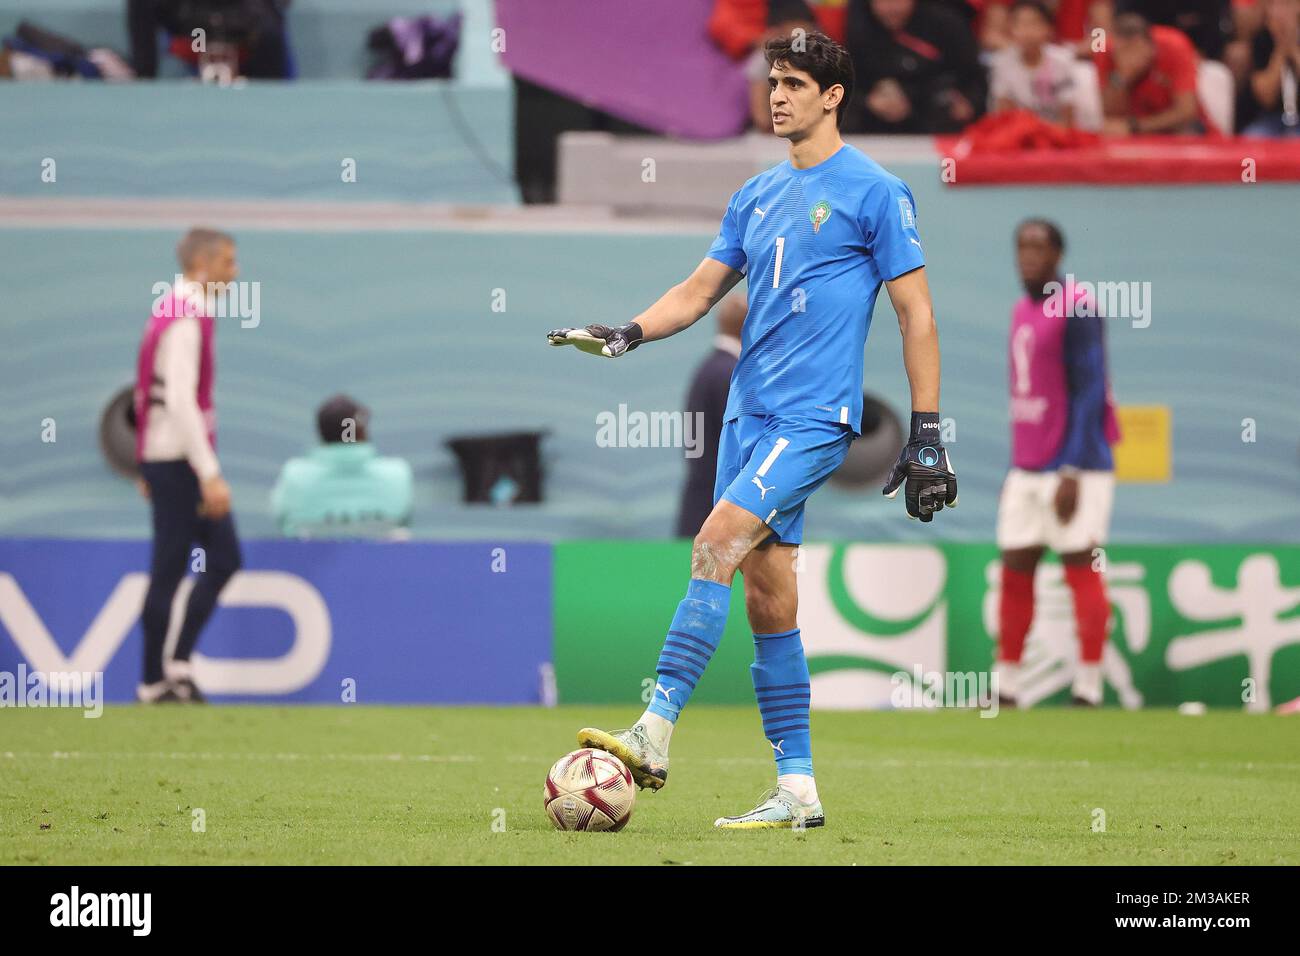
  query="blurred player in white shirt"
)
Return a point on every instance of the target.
[{"x": 176, "y": 448}]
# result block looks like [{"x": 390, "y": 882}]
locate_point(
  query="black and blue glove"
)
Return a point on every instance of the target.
[
  {"x": 599, "y": 339},
  {"x": 923, "y": 466}
]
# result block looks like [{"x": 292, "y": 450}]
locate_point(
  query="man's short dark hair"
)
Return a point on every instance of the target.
[
  {"x": 787, "y": 11},
  {"x": 1038, "y": 7},
  {"x": 1131, "y": 26},
  {"x": 333, "y": 416},
  {"x": 817, "y": 55},
  {"x": 1054, "y": 235}
]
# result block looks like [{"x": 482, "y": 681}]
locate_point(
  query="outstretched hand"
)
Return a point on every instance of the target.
[{"x": 599, "y": 339}]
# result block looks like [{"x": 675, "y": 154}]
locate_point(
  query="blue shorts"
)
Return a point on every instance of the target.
[{"x": 770, "y": 466}]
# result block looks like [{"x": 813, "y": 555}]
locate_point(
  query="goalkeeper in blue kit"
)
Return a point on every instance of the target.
[{"x": 815, "y": 238}]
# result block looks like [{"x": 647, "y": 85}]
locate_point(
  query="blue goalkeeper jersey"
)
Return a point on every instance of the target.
[{"x": 815, "y": 245}]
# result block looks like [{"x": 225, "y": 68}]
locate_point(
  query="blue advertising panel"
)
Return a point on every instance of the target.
[{"x": 310, "y": 621}]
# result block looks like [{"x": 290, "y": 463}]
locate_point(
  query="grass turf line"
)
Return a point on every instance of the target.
[{"x": 356, "y": 785}]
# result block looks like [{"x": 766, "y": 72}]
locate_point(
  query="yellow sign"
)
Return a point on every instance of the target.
[{"x": 1145, "y": 449}]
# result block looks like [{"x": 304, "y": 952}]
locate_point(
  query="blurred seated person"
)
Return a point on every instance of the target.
[
  {"x": 784, "y": 18},
  {"x": 1033, "y": 73},
  {"x": 918, "y": 63},
  {"x": 1276, "y": 77},
  {"x": 1074, "y": 21},
  {"x": 249, "y": 33},
  {"x": 1148, "y": 80},
  {"x": 343, "y": 487}
]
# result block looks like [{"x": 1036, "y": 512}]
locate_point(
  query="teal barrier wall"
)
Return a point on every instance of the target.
[
  {"x": 430, "y": 141},
  {"x": 405, "y": 321}
]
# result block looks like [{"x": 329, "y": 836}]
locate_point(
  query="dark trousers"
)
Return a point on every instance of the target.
[
  {"x": 177, "y": 529},
  {"x": 540, "y": 117}
]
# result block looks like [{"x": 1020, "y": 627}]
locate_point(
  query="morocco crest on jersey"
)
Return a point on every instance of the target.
[{"x": 819, "y": 214}]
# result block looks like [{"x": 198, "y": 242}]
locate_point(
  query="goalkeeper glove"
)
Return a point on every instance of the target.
[
  {"x": 924, "y": 467},
  {"x": 599, "y": 339}
]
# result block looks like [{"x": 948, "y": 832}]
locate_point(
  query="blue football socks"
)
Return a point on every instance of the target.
[
  {"x": 780, "y": 673},
  {"x": 693, "y": 637}
]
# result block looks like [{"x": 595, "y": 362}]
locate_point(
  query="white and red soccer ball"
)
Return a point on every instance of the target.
[{"x": 589, "y": 790}]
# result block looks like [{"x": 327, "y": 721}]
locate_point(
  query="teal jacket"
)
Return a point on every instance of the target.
[{"x": 342, "y": 488}]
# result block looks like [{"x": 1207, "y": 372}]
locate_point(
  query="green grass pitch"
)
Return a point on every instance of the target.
[{"x": 355, "y": 785}]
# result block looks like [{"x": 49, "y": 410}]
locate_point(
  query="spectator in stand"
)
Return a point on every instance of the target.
[
  {"x": 1247, "y": 18},
  {"x": 739, "y": 27},
  {"x": 1204, "y": 22},
  {"x": 918, "y": 64},
  {"x": 1276, "y": 77},
  {"x": 1074, "y": 20},
  {"x": 1148, "y": 80},
  {"x": 1238, "y": 55},
  {"x": 1033, "y": 73},
  {"x": 968, "y": 10},
  {"x": 253, "y": 28}
]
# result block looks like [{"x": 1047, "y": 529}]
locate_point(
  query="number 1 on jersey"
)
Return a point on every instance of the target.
[{"x": 780, "y": 250}]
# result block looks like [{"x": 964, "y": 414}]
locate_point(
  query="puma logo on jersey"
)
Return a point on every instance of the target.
[
  {"x": 762, "y": 492},
  {"x": 758, "y": 212},
  {"x": 913, "y": 241}
]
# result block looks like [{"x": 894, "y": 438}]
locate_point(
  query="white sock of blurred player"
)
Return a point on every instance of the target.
[
  {"x": 1087, "y": 682},
  {"x": 1008, "y": 677}
]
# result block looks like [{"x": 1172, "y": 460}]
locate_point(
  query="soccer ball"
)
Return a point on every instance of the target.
[{"x": 589, "y": 790}]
